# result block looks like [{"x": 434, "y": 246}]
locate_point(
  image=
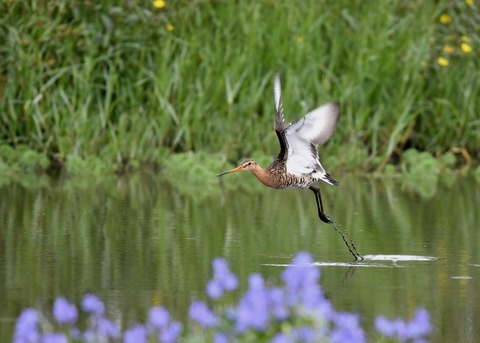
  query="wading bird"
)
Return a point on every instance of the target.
[{"x": 297, "y": 165}]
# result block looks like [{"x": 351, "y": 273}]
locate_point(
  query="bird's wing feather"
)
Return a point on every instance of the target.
[
  {"x": 305, "y": 135},
  {"x": 277, "y": 92},
  {"x": 279, "y": 125},
  {"x": 317, "y": 126},
  {"x": 302, "y": 158}
]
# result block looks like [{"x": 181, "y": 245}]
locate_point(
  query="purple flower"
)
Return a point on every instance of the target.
[
  {"x": 214, "y": 289},
  {"x": 253, "y": 308},
  {"x": 220, "y": 267},
  {"x": 420, "y": 325},
  {"x": 229, "y": 282},
  {"x": 304, "y": 334},
  {"x": 64, "y": 312},
  {"x": 171, "y": 333},
  {"x": 277, "y": 303},
  {"x": 301, "y": 280},
  {"x": 281, "y": 338},
  {"x": 220, "y": 337},
  {"x": 389, "y": 328},
  {"x": 101, "y": 330},
  {"x": 415, "y": 329},
  {"x": 158, "y": 317},
  {"x": 54, "y": 338},
  {"x": 347, "y": 328},
  {"x": 88, "y": 336},
  {"x": 76, "y": 334},
  {"x": 135, "y": 334},
  {"x": 200, "y": 313},
  {"x": 107, "y": 328},
  {"x": 223, "y": 279},
  {"x": 93, "y": 304},
  {"x": 26, "y": 328}
]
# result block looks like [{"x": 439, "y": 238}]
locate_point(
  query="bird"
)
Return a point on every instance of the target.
[{"x": 298, "y": 164}]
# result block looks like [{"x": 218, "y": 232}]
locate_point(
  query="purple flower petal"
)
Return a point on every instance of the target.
[
  {"x": 170, "y": 334},
  {"x": 301, "y": 281},
  {"x": 214, "y": 289},
  {"x": 76, "y": 334},
  {"x": 387, "y": 327},
  {"x": 304, "y": 334},
  {"x": 64, "y": 312},
  {"x": 107, "y": 328},
  {"x": 26, "y": 328},
  {"x": 414, "y": 330},
  {"x": 220, "y": 337},
  {"x": 223, "y": 279},
  {"x": 420, "y": 325},
  {"x": 347, "y": 328},
  {"x": 93, "y": 304},
  {"x": 220, "y": 266},
  {"x": 277, "y": 303},
  {"x": 135, "y": 334},
  {"x": 253, "y": 309},
  {"x": 200, "y": 313},
  {"x": 281, "y": 338},
  {"x": 54, "y": 338},
  {"x": 158, "y": 317},
  {"x": 255, "y": 282},
  {"x": 230, "y": 282}
]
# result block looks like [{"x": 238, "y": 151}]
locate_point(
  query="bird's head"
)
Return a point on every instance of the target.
[{"x": 247, "y": 165}]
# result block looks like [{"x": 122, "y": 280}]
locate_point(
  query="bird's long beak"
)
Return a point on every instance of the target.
[{"x": 231, "y": 171}]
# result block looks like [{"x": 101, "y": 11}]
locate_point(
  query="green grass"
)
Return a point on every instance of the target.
[{"x": 81, "y": 81}]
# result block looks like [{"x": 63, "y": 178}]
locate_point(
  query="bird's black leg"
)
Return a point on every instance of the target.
[
  {"x": 318, "y": 198},
  {"x": 324, "y": 218}
]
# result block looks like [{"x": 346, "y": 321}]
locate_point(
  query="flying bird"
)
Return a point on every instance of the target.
[{"x": 298, "y": 165}]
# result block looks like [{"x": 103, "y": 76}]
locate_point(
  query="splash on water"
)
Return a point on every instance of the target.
[{"x": 366, "y": 262}]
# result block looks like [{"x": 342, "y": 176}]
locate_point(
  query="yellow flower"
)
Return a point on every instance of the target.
[
  {"x": 159, "y": 4},
  {"x": 469, "y": 2},
  {"x": 466, "y": 48},
  {"x": 445, "y": 19},
  {"x": 448, "y": 49},
  {"x": 442, "y": 61},
  {"x": 170, "y": 27},
  {"x": 299, "y": 39}
]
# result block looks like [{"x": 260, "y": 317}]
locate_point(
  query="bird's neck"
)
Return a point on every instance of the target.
[{"x": 264, "y": 176}]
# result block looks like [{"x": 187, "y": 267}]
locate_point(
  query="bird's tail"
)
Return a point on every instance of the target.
[{"x": 330, "y": 180}]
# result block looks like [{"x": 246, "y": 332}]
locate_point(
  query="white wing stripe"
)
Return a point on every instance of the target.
[{"x": 277, "y": 92}]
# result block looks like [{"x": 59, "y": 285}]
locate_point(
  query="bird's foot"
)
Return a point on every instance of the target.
[
  {"x": 358, "y": 257},
  {"x": 324, "y": 218}
]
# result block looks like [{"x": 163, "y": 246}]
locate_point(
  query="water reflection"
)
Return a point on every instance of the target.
[{"x": 138, "y": 241}]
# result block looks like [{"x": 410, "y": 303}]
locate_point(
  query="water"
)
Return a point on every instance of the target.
[{"x": 138, "y": 241}]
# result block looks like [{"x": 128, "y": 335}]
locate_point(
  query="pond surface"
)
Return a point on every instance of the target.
[{"x": 139, "y": 241}]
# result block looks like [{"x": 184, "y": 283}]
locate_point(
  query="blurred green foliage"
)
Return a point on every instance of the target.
[{"x": 108, "y": 86}]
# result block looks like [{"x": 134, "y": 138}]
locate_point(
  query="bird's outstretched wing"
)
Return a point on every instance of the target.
[
  {"x": 305, "y": 135},
  {"x": 317, "y": 126}
]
